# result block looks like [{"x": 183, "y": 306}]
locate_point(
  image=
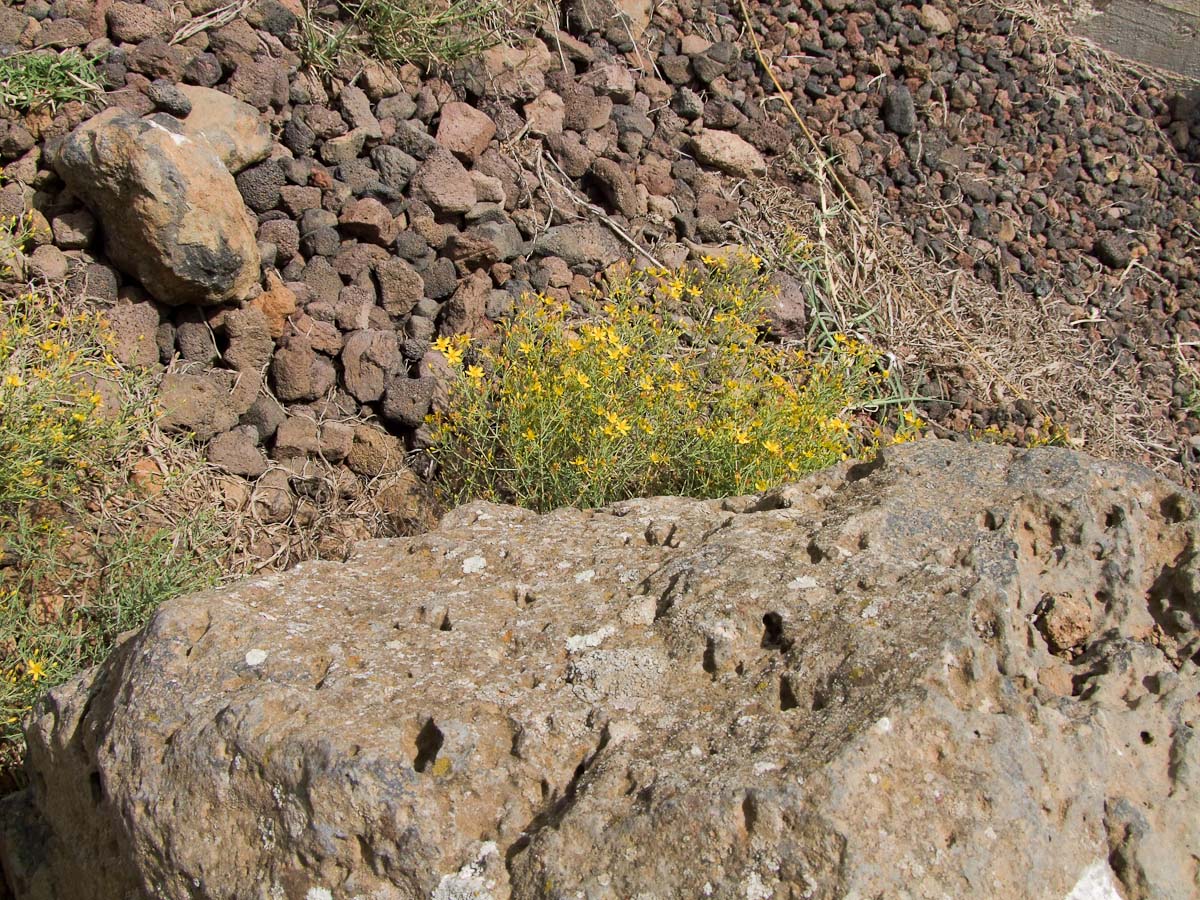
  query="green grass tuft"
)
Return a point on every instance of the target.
[{"x": 33, "y": 80}]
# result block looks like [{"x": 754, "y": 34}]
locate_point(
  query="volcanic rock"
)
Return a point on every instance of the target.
[
  {"x": 234, "y": 129},
  {"x": 170, "y": 211},
  {"x": 845, "y": 687},
  {"x": 726, "y": 151}
]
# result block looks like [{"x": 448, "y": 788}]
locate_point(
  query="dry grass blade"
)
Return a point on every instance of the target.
[
  {"x": 215, "y": 18},
  {"x": 1004, "y": 344}
]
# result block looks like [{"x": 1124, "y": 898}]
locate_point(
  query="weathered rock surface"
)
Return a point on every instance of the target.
[
  {"x": 171, "y": 213},
  {"x": 234, "y": 129},
  {"x": 955, "y": 672}
]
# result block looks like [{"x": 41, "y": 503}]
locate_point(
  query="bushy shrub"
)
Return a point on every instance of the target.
[
  {"x": 80, "y": 562},
  {"x": 55, "y": 366},
  {"x": 666, "y": 387}
]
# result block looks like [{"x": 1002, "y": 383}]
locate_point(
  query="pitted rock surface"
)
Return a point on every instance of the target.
[{"x": 952, "y": 672}]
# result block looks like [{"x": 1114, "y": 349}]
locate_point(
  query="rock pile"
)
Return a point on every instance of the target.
[
  {"x": 387, "y": 207},
  {"x": 955, "y": 672}
]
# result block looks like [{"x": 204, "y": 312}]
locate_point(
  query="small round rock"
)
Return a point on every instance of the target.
[{"x": 169, "y": 99}]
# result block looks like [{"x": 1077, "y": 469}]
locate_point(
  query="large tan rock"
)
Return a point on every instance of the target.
[
  {"x": 170, "y": 211},
  {"x": 956, "y": 672}
]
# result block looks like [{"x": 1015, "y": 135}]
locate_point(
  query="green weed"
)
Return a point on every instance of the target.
[
  {"x": 36, "y": 79},
  {"x": 83, "y": 558}
]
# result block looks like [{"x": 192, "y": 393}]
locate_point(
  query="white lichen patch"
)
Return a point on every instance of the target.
[
  {"x": 318, "y": 893},
  {"x": 587, "y": 641},
  {"x": 256, "y": 657},
  {"x": 1096, "y": 883},
  {"x": 468, "y": 883},
  {"x": 755, "y": 889},
  {"x": 473, "y": 565},
  {"x": 585, "y": 576},
  {"x": 802, "y": 583}
]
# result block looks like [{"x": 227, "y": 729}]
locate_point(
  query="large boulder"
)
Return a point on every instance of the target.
[
  {"x": 171, "y": 213},
  {"x": 955, "y": 671}
]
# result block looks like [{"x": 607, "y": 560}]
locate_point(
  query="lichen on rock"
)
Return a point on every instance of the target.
[{"x": 851, "y": 686}]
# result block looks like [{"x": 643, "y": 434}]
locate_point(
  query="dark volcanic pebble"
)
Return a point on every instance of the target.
[{"x": 899, "y": 113}]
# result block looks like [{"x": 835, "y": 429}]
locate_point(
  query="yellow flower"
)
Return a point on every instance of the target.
[
  {"x": 741, "y": 436},
  {"x": 475, "y": 372},
  {"x": 529, "y": 434},
  {"x": 14, "y": 381},
  {"x": 454, "y": 355},
  {"x": 772, "y": 447},
  {"x": 35, "y": 669},
  {"x": 583, "y": 380},
  {"x": 657, "y": 458}
]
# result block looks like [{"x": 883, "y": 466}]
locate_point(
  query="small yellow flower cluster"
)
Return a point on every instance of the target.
[
  {"x": 664, "y": 386},
  {"x": 54, "y": 365}
]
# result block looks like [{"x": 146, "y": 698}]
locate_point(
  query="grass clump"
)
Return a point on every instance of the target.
[
  {"x": 666, "y": 387},
  {"x": 39, "y": 79},
  {"x": 426, "y": 33},
  {"x": 81, "y": 559}
]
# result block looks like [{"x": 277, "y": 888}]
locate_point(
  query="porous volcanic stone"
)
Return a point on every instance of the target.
[
  {"x": 464, "y": 130},
  {"x": 844, "y": 688},
  {"x": 726, "y": 151}
]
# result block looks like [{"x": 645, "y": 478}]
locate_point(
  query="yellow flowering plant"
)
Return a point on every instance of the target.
[
  {"x": 664, "y": 386},
  {"x": 70, "y": 418},
  {"x": 55, "y": 366}
]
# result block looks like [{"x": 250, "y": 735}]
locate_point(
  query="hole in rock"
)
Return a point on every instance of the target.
[
  {"x": 815, "y": 553},
  {"x": 1147, "y": 738},
  {"x": 787, "y": 697},
  {"x": 990, "y": 520},
  {"x": 97, "y": 788},
  {"x": 446, "y": 626},
  {"x": 750, "y": 811},
  {"x": 859, "y": 471},
  {"x": 772, "y": 638},
  {"x": 1174, "y": 508},
  {"x": 429, "y": 744},
  {"x": 1114, "y": 517},
  {"x": 820, "y": 700},
  {"x": 709, "y": 662}
]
